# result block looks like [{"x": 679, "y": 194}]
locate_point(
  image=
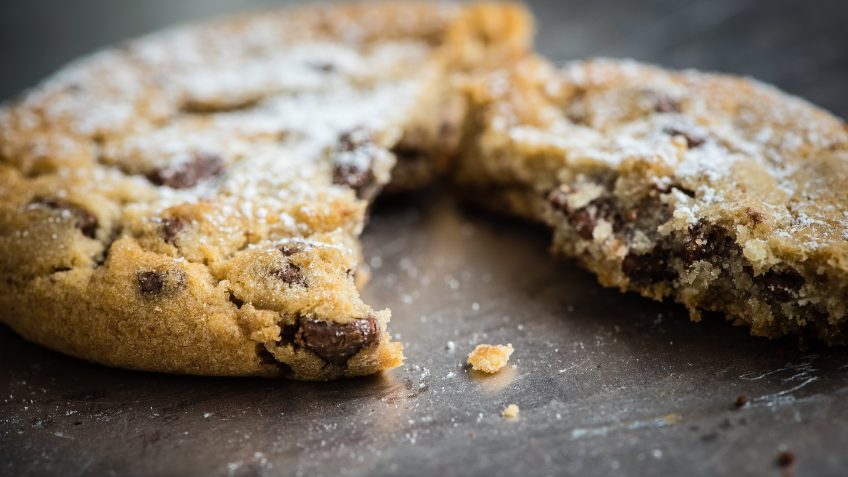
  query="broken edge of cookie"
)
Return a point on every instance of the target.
[
  {"x": 97, "y": 268},
  {"x": 719, "y": 192}
]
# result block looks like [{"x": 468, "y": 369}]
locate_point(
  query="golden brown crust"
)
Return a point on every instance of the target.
[{"x": 190, "y": 202}]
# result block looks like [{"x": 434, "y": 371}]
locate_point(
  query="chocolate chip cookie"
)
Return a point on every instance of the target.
[
  {"x": 719, "y": 192},
  {"x": 190, "y": 202}
]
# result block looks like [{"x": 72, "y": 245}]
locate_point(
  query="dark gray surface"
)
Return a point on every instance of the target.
[{"x": 607, "y": 383}]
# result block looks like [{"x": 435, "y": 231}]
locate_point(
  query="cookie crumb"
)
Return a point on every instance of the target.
[
  {"x": 490, "y": 358},
  {"x": 511, "y": 411},
  {"x": 785, "y": 458}
]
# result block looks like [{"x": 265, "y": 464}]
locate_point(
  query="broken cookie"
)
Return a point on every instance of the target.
[{"x": 719, "y": 192}]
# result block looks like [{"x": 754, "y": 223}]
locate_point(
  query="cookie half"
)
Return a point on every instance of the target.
[
  {"x": 190, "y": 202},
  {"x": 719, "y": 192}
]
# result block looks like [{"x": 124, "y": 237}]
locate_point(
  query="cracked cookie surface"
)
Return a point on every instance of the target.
[{"x": 190, "y": 202}]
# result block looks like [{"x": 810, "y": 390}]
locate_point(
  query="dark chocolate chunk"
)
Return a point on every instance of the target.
[
  {"x": 154, "y": 283},
  {"x": 707, "y": 244},
  {"x": 151, "y": 283},
  {"x": 353, "y": 139},
  {"x": 785, "y": 458},
  {"x": 267, "y": 358},
  {"x": 559, "y": 199},
  {"x": 336, "y": 342},
  {"x": 585, "y": 219},
  {"x": 684, "y": 190},
  {"x": 756, "y": 216},
  {"x": 288, "y": 333},
  {"x": 409, "y": 152},
  {"x": 354, "y": 177},
  {"x": 238, "y": 302},
  {"x": 652, "y": 267},
  {"x": 171, "y": 226},
  {"x": 781, "y": 285},
  {"x": 664, "y": 103},
  {"x": 356, "y": 174},
  {"x": 86, "y": 222},
  {"x": 289, "y": 273},
  {"x": 692, "y": 140},
  {"x": 189, "y": 173}
]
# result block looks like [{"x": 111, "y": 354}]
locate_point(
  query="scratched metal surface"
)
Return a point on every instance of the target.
[{"x": 607, "y": 383}]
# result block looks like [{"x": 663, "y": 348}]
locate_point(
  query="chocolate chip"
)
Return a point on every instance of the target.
[
  {"x": 290, "y": 249},
  {"x": 652, "y": 267},
  {"x": 781, "y": 285},
  {"x": 559, "y": 199},
  {"x": 664, "y": 103},
  {"x": 238, "y": 302},
  {"x": 756, "y": 216},
  {"x": 86, "y": 222},
  {"x": 336, "y": 342},
  {"x": 267, "y": 358},
  {"x": 288, "y": 333},
  {"x": 353, "y": 159},
  {"x": 692, "y": 140},
  {"x": 409, "y": 152},
  {"x": 684, "y": 190},
  {"x": 706, "y": 243},
  {"x": 151, "y": 283},
  {"x": 171, "y": 226},
  {"x": 785, "y": 458},
  {"x": 353, "y": 176},
  {"x": 352, "y": 139},
  {"x": 289, "y": 273},
  {"x": 585, "y": 219},
  {"x": 741, "y": 401},
  {"x": 189, "y": 173},
  {"x": 154, "y": 283}
]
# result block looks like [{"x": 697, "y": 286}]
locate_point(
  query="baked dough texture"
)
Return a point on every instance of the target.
[
  {"x": 719, "y": 192},
  {"x": 190, "y": 202}
]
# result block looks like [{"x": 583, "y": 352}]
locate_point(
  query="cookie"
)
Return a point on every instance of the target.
[
  {"x": 719, "y": 192},
  {"x": 191, "y": 201}
]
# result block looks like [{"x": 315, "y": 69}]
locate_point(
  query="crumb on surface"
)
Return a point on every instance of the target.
[
  {"x": 511, "y": 411},
  {"x": 785, "y": 458},
  {"x": 490, "y": 358}
]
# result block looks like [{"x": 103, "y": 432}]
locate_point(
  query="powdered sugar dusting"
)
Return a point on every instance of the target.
[
  {"x": 710, "y": 132},
  {"x": 268, "y": 97}
]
